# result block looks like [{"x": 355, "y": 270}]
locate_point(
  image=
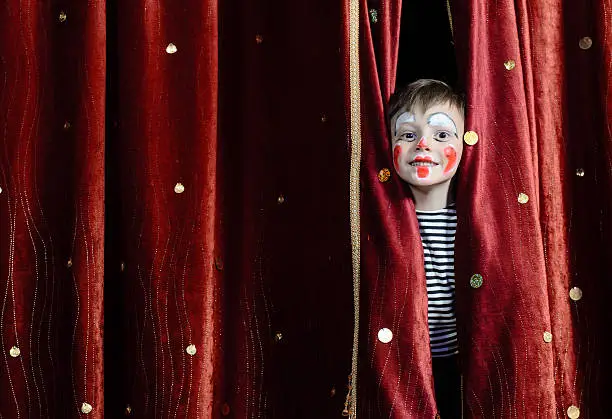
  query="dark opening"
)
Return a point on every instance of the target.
[{"x": 426, "y": 48}]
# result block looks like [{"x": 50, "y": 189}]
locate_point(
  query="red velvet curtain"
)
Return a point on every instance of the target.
[
  {"x": 167, "y": 261},
  {"x": 226, "y": 268},
  {"x": 534, "y": 212},
  {"x": 52, "y": 119},
  {"x": 233, "y": 230},
  {"x": 174, "y": 212},
  {"x": 545, "y": 262}
]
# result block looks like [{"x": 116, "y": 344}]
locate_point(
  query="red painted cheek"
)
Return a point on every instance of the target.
[
  {"x": 451, "y": 155},
  {"x": 422, "y": 172},
  {"x": 397, "y": 151}
]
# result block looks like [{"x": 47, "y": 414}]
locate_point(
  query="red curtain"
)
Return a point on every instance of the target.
[
  {"x": 226, "y": 266},
  {"x": 233, "y": 232},
  {"x": 534, "y": 208},
  {"x": 52, "y": 119},
  {"x": 175, "y": 239},
  {"x": 547, "y": 137},
  {"x": 167, "y": 263}
]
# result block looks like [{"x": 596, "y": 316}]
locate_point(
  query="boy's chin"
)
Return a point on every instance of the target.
[{"x": 425, "y": 183}]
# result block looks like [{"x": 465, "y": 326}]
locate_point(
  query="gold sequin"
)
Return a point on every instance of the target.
[
  {"x": 384, "y": 175},
  {"x": 122, "y": 266},
  {"x": 171, "y": 48},
  {"x": 218, "y": 263},
  {"x": 523, "y": 198},
  {"x": 470, "y": 138},
  {"x": 547, "y": 337},
  {"x": 14, "y": 352},
  {"x": 86, "y": 408},
  {"x": 476, "y": 281},
  {"x": 323, "y": 118},
  {"x": 67, "y": 125},
  {"x": 258, "y": 39},
  {"x": 332, "y": 392},
  {"x": 62, "y": 16},
  {"x": 0, "y": 189},
  {"x": 69, "y": 263},
  {"x": 385, "y": 335},
  {"x": 280, "y": 199},
  {"x": 585, "y": 43},
  {"x": 573, "y": 412},
  {"x": 374, "y": 15},
  {"x": 128, "y": 410},
  {"x": 575, "y": 294},
  {"x": 225, "y": 409},
  {"x": 278, "y": 336},
  {"x": 510, "y": 64},
  {"x": 179, "y": 188},
  {"x": 580, "y": 172},
  {"x": 191, "y": 349}
]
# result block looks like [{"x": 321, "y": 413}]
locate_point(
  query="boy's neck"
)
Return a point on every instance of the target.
[{"x": 432, "y": 198}]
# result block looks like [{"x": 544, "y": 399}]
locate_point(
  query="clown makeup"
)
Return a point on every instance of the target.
[
  {"x": 427, "y": 147},
  {"x": 397, "y": 152},
  {"x": 451, "y": 155},
  {"x": 423, "y": 172},
  {"x": 402, "y": 119},
  {"x": 442, "y": 120}
]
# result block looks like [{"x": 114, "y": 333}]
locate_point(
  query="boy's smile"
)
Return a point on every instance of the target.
[{"x": 427, "y": 144}]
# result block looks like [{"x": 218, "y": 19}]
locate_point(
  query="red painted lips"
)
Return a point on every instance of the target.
[{"x": 423, "y": 159}]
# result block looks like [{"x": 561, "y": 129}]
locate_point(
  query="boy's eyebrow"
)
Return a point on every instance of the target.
[
  {"x": 404, "y": 118},
  {"x": 440, "y": 119}
]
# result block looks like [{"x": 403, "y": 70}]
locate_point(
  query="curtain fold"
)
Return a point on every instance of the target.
[
  {"x": 52, "y": 66},
  {"x": 166, "y": 155},
  {"x": 287, "y": 326}
]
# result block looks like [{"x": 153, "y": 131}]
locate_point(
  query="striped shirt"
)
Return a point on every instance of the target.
[{"x": 438, "y": 237}]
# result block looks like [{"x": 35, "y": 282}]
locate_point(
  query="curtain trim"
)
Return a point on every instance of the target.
[{"x": 354, "y": 177}]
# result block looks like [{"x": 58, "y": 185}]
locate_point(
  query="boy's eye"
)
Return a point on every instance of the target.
[
  {"x": 443, "y": 136},
  {"x": 407, "y": 136}
]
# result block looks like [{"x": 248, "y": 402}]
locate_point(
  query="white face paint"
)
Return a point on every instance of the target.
[
  {"x": 427, "y": 145},
  {"x": 442, "y": 120},
  {"x": 402, "y": 119}
]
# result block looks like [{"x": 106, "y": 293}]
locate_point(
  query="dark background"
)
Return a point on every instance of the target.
[{"x": 426, "y": 47}]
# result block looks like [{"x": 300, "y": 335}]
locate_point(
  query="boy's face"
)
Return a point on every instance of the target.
[{"x": 427, "y": 144}]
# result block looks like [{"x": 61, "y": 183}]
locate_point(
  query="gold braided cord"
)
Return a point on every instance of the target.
[
  {"x": 450, "y": 18},
  {"x": 354, "y": 204}
]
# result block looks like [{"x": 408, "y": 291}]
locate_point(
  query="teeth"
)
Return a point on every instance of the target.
[{"x": 422, "y": 163}]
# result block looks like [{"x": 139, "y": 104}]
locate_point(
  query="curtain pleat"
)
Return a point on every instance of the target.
[
  {"x": 168, "y": 267},
  {"x": 52, "y": 88}
]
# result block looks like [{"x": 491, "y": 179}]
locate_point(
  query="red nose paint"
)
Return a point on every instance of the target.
[
  {"x": 422, "y": 172},
  {"x": 396, "y": 156},
  {"x": 421, "y": 143},
  {"x": 451, "y": 155}
]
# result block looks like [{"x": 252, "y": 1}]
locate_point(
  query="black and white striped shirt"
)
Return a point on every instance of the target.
[{"x": 438, "y": 237}]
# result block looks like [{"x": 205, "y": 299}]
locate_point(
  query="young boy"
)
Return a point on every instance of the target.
[{"x": 427, "y": 124}]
